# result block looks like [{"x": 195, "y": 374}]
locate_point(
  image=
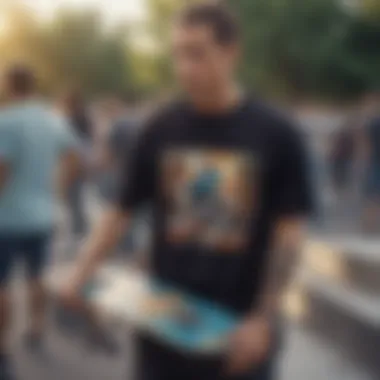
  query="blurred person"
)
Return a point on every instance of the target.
[
  {"x": 371, "y": 150},
  {"x": 115, "y": 142},
  {"x": 319, "y": 164},
  {"x": 342, "y": 154},
  {"x": 34, "y": 144},
  {"x": 114, "y": 148},
  {"x": 108, "y": 110},
  {"x": 215, "y": 116},
  {"x": 342, "y": 162},
  {"x": 74, "y": 109}
]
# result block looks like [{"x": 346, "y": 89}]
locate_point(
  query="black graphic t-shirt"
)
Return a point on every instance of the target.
[{"x": 217, "y": 185}]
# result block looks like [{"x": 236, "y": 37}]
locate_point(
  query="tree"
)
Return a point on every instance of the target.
[
  {"x": 295, "y": 47},
  {"x": 371, "y": 8},
  {"x": 84, "y": 53},
  {"x": 307, "y": 47},
  {"x": 20, "y": 41},
  {"x": 74, "y": 48}
]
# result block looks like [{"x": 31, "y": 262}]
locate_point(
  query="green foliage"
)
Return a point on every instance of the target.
[
  {"x": 308, "y": 47},
  {"x": 297, "y": 47},
  {"x": 161, "y": 13},
  {"x": 293, "y": 47},
  {"x": 74, "y": 48},
  {"x": 83, "y": 53}
]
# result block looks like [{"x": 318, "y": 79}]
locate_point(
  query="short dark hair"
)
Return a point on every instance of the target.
[
  {"x": 21, "y": 80},
  {"x": 214, "y": 15}
]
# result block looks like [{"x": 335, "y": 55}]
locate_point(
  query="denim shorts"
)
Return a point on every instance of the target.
[{"x": 31, "y": 250}]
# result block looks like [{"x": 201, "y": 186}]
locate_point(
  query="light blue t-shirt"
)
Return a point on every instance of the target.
[{"x": 32, "y": 141}]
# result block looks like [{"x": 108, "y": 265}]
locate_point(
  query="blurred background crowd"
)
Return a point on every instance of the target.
[
  {"x": 318, "y": 59},
  {"x": 105, "y": 66}
]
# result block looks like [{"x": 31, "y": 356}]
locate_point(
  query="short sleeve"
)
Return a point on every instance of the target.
[
  {"x": 137, "y": 179},
  {"x": 292, "y": 189},
  {"x": 8, "y": 142}
]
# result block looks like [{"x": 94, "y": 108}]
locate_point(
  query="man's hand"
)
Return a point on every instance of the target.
[
  {"x": 249, "y": 345},
  {"x": 70, "y": 295},
  {"x": 99, "y": 245}
]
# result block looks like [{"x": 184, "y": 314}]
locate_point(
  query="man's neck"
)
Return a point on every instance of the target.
[{"x": 225, "y": 99}]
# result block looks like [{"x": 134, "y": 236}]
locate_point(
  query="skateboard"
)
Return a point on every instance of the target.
[{"x": 180, "y": 320}]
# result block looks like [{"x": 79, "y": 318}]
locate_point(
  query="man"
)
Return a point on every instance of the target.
[
  {"x": 215, "y": 120},
  {"x": 32, "y": 141}
]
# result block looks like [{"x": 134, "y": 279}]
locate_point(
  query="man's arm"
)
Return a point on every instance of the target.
[
  {"x": 9, "y": 148},
  {"x": 290, "y": 200},
  {"x": 70, "y": 161},
  {"x": 288, "y": 244},
  {"x": 136, "y": 187},
  {"x": 95, "y": 250},
  {"x": 104, "y": 157},
  {"x": 253, "y": 340},
  {"x": 69, "y": 170},
  {"x": 4, "y": 173}
]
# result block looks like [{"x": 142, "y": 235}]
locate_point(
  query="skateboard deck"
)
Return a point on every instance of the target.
[{"x": 185, "y": 322}]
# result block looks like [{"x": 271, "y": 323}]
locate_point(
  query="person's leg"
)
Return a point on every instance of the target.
[
  {"x": 370, "y": 210},
  {"x": 4, "y": 303},
  {"x": 35, "y": 254},
  {"x": 5, "y": 310},
  {"x": 142, "y": 240},
  {"x": 4, "y": 317},
  {"x": 371, "y": 215},
  {"x": 77, "y": 208},
  {"x": 7, "y": 259}
]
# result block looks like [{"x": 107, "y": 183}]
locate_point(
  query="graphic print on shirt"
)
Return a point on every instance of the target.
[{"x": 209, "y": 195}]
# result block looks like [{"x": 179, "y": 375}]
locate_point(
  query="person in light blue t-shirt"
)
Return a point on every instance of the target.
[{"x": 33, "y": 143}]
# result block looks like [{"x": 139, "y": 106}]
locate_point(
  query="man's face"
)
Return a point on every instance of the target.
[{"x": 202, "y": 64}]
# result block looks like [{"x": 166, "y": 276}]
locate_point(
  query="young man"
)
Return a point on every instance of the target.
[
  {"x": 261, "y": 173},
  {"x": 32, "y": 142}
]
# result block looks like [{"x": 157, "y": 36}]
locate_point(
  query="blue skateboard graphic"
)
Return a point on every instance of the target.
[
  {"x": 197, "y": 325},
  {"x": 191, "y": 325}
]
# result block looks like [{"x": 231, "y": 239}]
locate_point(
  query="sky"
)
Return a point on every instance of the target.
[{"x": 114, "y": 10}]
